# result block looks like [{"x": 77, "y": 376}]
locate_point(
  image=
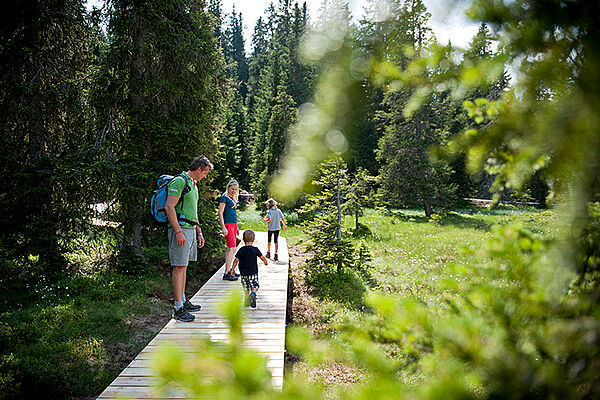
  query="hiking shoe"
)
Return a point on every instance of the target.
[
  {"x": 252, "y": 299},
  {"x": 275, "y": 258},
  {"x": 191, "y": 307},
  {"x": 183, "y": 315},
  {"x": 268, "y": 255},
  {"x": 229, "y": 277}
]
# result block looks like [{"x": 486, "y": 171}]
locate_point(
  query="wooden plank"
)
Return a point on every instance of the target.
[
  {"x": 263, "y": 330},
  {"x": 146, "y": 365}
]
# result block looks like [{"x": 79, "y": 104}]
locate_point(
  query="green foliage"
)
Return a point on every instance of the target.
[
  {"x": 328, "y": 245},
  {"x": 358, "y": 195},
  {"x": 46, "y": 146},
  {"x": 166, "y": 79},
  {"x": 278, "y": 83}
]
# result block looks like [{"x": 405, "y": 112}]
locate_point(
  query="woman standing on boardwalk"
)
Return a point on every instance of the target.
[{"x": 228, "y": 220}]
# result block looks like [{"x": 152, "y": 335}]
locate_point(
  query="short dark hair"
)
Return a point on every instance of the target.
[
  {"x": 248, "y": 236},
  {"x": 200, "y": 162}
]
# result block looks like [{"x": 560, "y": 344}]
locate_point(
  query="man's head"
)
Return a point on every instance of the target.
[
  {"x": 248, "y": 236},
  {"x": 199, "y": 167}
]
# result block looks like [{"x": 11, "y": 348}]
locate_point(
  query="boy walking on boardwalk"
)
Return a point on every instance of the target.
[
  {"x": 275, "y": 222},
  {"x": 247, "y": 258}
]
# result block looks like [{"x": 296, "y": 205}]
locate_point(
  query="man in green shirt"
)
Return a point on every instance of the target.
[{"x": 184, "y": 238}]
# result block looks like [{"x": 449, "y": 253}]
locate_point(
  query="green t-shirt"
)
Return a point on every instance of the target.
[{"x": 190, "y": 201}]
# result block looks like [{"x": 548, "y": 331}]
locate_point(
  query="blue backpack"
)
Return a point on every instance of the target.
[{"x": 159, "y": 199}]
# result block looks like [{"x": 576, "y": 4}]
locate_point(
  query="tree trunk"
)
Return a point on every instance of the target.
[
  {"x": 35, "y": 131},
  {"x": 427, "y": 208},
  {"x": 131, "y": 202},
  {"x": 133, "y": 228},
  {"x": 356, "y": 215}
]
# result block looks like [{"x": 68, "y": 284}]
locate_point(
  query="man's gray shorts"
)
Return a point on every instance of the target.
[{"x": 180, "y": 256}]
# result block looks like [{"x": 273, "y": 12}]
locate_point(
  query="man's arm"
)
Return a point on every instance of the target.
[
  {"x": 199, "y": 235},
  {"x": 172, "y": 217}
]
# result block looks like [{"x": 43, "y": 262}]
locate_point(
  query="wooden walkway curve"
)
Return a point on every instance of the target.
[{"x": 264, "y": 328}]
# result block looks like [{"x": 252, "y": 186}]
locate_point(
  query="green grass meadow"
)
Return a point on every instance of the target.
[{"x": 413, "y": 257}]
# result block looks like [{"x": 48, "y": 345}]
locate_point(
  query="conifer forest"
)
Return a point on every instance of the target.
[{"x": 372, "y": 134}]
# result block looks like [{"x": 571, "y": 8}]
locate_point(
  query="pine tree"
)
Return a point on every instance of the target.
[
  {"x": 46, "y": 61},
  {"x": 273, "y": 108},
  {"x": 480, "y": 50},
  {"x": 328, "y": 244},
  {"x": 276, "y": 137},
  {"x": 166, "y": 73},
  {"x": 358, "y": 195},
  {"x": 257, "y": 62},
  {"x": 235, "y": 142}
]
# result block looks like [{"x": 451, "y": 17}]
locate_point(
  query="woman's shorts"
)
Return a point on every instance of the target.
[
  {"x": 232, "y": 232},
  {"x": 275, "y": 236},
  {"x": 249, "y": 282}
]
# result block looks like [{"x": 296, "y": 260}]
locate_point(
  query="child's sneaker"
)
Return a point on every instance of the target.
[
  {"x": 275, "y": 258},
  {"x": 252, "y": 299},
  {"x": 268, "y": 255}
]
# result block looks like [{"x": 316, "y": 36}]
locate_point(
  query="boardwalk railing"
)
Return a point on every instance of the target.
[{"x": 263, "y": 328}]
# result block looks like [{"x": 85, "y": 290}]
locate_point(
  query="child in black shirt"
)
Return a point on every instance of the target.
[{"x": 246, "y": 257}]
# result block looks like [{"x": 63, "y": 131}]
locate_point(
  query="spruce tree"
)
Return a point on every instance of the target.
[
  {"x": 273, "y": 108},
  {"x": 328, "y": 244},
  {"x": 46, "y": 53},
  {"x": 167, "y": 78}
]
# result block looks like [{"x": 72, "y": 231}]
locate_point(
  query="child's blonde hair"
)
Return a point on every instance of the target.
[
  {"x": 248, "y": 236},
  {"x": 271, "y": 203}
]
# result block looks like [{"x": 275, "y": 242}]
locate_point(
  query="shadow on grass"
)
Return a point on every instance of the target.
[
  {"x": 460, "y": 219},
  {"x": 344, "y": 286}
]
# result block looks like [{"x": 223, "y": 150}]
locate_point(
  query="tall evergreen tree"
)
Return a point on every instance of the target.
[
  {"x": 215, "y": 8},
  {"x": 272, "y": 97},
  {"x": 301, "y": 86},
  {"x": 479, "y": 50},
  {"x": 276, "y": 137},
  {"x": 45, "y": 64},
  {"x": 167, "y": 74},
  {"x": 234, "y": 141},
  {"x": 258, "y": 59},
  {"x": 408, "y": 175}
]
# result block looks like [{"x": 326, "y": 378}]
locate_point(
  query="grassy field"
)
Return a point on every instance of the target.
[{"x": 412, "y": 256}]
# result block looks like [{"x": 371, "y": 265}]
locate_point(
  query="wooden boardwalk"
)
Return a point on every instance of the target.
[{"x": 263, "y": 328}]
